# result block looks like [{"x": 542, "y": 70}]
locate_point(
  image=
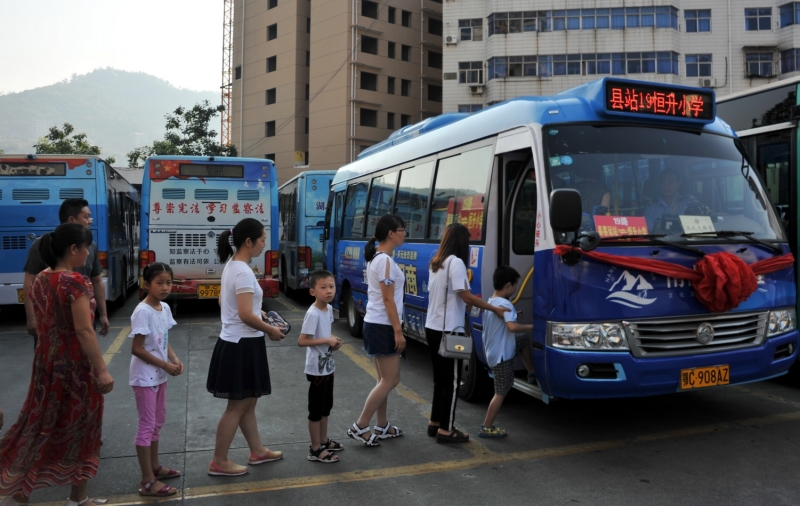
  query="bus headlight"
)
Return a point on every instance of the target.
[
  {"x": 781, "y": 321},
  {"x": 588, "y": 336}
]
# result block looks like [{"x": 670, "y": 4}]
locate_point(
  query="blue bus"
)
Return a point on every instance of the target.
[
  {"x": 187, "y": 201},
  {"x": 571, "y": 190},
  {"x": 32, "y": 188},
  {"x": 301, "y": 207}
]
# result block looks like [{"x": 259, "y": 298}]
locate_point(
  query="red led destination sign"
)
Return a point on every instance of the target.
[{"x": 659, "y": 101}]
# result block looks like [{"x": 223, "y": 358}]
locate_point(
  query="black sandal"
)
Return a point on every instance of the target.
[
  {"x": 454, "y": 437},
  {"x": 314, "y": 456},
  {"x": 333, "y": 446}
]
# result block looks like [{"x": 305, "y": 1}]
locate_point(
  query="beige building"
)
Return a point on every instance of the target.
[{"x": 317, "y": 82}]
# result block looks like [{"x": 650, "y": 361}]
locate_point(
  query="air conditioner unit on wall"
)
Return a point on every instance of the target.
[
  {"x": 451, "y": 40},
  {"x": 477, "y": 90},
  {"x": 708, "y": 82}
]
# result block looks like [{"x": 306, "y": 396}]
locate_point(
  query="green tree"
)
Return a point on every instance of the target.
[
  {"x": 187, "y": 134},
  {"x": 59, "y": 142}
]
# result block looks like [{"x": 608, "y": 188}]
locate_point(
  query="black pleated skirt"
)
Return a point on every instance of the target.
[{"x": 239, "y": 370}]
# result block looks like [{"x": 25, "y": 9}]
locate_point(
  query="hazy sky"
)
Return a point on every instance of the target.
[{"x": 45, "y": 41}]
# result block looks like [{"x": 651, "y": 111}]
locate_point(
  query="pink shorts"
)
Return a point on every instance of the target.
[{"x": 151, "y": 402}]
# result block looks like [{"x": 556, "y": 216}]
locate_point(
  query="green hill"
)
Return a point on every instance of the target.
[{"x": 117, "y": 110}]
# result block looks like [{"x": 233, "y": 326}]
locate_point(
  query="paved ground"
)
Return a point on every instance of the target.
[{"x": 732, "y": 446}]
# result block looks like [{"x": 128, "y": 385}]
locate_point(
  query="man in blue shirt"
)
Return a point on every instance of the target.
[{"x": 670, "y": 202}]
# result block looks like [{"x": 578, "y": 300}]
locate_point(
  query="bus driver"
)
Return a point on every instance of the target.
[{"x": 670, "y": 201}]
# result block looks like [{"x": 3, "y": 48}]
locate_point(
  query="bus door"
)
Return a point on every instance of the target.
[
  {"x": 333, "y": 222},
  {"x": 517, "y": 240}
]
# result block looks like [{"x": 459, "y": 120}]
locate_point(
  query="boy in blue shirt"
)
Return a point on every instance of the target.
[{"x": 501, "y": 345}]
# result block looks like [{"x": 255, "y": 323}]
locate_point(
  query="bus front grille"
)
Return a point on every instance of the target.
[
  {"x": 14, "y": 242},
  {"x": 187, "y": 240},
  {"x": 670, "y": 337}
]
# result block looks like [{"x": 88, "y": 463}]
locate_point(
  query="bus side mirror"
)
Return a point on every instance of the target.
[{"x": 565, "y": 210}]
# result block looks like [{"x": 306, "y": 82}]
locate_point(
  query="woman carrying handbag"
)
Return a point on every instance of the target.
[{"x": 448, "y": 296}]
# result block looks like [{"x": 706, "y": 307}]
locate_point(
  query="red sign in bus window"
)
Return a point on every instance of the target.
[{"x": 659, "y": 101}]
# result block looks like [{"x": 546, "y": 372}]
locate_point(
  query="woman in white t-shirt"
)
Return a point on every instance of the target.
[
  {"x": 383, "y": 331},
  {"x": 239, "y": 370},
  {"x": 450, "y": 261}
]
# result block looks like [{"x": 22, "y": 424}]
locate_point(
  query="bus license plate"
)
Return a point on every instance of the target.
[
  {"x": 20, "y": 296},
  {"x": 701, "y": 377},
  {"x": 208, "y": 291}
]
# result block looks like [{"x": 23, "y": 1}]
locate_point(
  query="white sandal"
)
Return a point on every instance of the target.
[
  {"x": 355, "y": 432},
  {"x": 383, "y": 432},
  {"x": 70, "y": 502}
]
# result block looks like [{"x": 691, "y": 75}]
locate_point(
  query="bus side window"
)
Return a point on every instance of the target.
[
  {"x": 524, "y": 217},
  {"x": 412, "y": 199},
  {"x": 380, "y": 200},
  {"x": 355, "y": 204}
]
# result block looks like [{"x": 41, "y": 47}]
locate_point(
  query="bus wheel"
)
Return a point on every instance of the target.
[
  {"x": 475, "y": 385},
  {"x": 354, "y": 319}
]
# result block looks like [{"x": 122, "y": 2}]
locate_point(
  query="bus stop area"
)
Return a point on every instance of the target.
[{"x": 736, "y": 445}]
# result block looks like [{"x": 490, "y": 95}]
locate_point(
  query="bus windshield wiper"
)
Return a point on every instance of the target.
[
  {"x": 657, "y": 238},
  {"x": 737, "y": 233}
]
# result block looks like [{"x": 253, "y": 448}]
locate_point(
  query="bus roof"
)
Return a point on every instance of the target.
[
  {"x": 759, "y": 89},
  {"x": 215, "y": 159},
  {"x": 583, "y": 103},
  {"x": 309, "y": 173}
]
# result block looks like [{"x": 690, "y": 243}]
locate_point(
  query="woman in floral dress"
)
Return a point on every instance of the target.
[{"x": 56, "y": 439}]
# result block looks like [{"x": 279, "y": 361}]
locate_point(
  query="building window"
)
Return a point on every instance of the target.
[
  {"x": 272, "y": 63},
  {"x": 369, "y": 81},
  {"x": 565, "y": 64},
  {"x": 501, "y": 23},
  {"x": 469, "y": 108},
  {"x": 306, "y": 153},
  {"x": 758, "y": 64},
  {"x": 698, "y": 21},
  {"x": 237, "y": 72},
  {"x": 641, "y": 63},
  {"x": 470, "y": 72},
  {"x": 471, "y": 29},
  {"x": 369, "y": 44},
  {"x": 434, "y": 59},
  {"x": 392, "y": 15},
  {"x": 271, "y": 4},
  {"x": 405, "y": 53},
  {"x": 308, "y": 92},
  {"x": 308, "y": 25},
  {"x": 308, "y": 58},
  {"x": 270, "y": 156},
  {"x": 789, "y": 60},
  {"x": 596, "y": 64},
  {"x": 501, "y": 67},
  {"x": 667, "y": 62},
  {"x": 270, "y": 96},
  {"x": 406, "y": 19},
  {"x": 272, "y": 32},
  {"x": 269, "y": 128},
  {"x": 562, "y": 20},
  {"x": 698, "y": 65},
  {"x": 435, "y": 26},
  {"x": 790, "y": 15},
  {"x": 759, "y": 19},
  {"x": 595, "y": 19},
  {"x": 390, "y": 120},
  {"x": 434, "y": 93},
  {"x": 306, "y": 125},
  {"x": 391, "y": 48},
  {"x": 369, "y": 9},
  {"x": 405, "y": 120},
  {"x": 368, "y": 117},
  {"x": 390, "y": 85},
  {"x": 405, "y": 87}
]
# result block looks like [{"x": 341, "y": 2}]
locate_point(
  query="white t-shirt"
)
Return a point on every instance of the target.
[
  {"x": 499, "y": 343},
  {"x": 238, "y": 277},
  {"x": 154, "y": 325},
  {"x": 456, "y": 308},
  {"x": 376, "y": 274},
  {"x": 317, "y": 325}
]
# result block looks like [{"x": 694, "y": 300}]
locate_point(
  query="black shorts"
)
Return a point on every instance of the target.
[
  {"x": 320, "y": 396},
  {"x": 379, "y": 340}
]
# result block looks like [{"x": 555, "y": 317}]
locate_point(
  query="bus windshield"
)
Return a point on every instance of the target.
[{"x": 638, "y": 181}]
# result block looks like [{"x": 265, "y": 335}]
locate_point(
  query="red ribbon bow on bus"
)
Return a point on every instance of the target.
[{"x": 721, "y": 281}]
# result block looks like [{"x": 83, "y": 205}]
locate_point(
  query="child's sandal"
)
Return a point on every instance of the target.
[
  {"x": 165, "y": 491},
  {"x": 314, "y": 455},
  {"x": 383, "y": 432},
  {"x": 333, "y": 446},
  {"x": 165, "y": 473},
  {"x": 492, "y": 432},
  {"x": 356, "y": 432}
]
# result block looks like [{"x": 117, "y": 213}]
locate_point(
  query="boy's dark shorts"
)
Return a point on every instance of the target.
[
  {"x": 504, "y": 371},
  {"x": 320, "y": 396}
]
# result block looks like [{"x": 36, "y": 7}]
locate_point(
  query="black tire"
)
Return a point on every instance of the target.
[
  {"x": 476, "y": 385},
  {"x": 355, "y": 321}
]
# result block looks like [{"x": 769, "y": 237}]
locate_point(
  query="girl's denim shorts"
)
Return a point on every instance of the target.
[{"x": 378, "y": 340}]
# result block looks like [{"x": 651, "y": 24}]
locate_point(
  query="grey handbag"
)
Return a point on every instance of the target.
[{"x": 453, "y": 346}]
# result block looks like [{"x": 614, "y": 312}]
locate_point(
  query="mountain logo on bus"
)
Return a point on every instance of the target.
[{"x": 631, "y": 291}]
